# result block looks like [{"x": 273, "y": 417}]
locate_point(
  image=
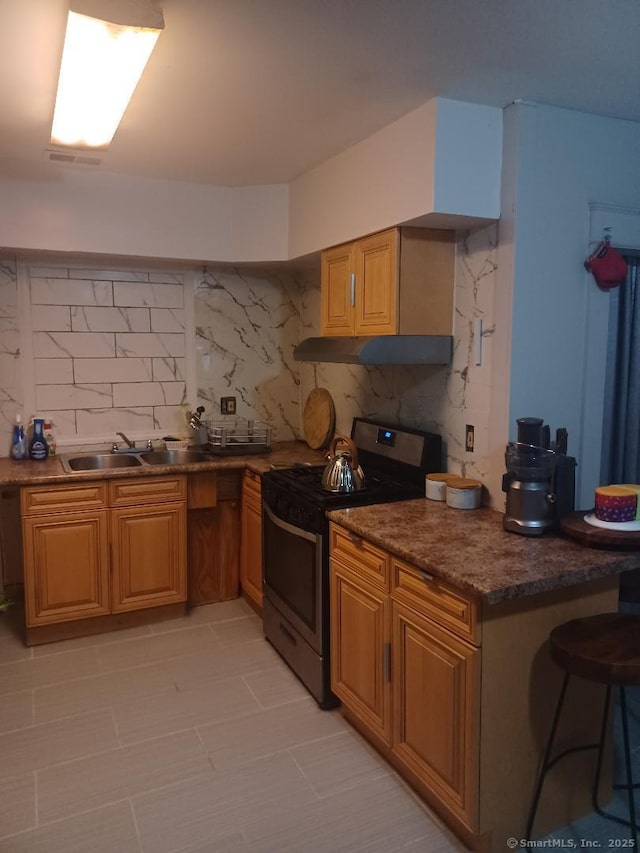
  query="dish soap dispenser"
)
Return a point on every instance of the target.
[
  {"x": 18, "y": 441},
  {"x": 38, "y": 448}
]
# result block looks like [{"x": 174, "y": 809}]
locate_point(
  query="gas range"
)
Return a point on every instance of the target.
[{"x": 296, "y": 539}]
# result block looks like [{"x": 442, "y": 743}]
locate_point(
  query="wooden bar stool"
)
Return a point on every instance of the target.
[{"x": 605, "y": 649}]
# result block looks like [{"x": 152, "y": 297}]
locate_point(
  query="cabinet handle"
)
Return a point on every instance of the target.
[
  {"x": 387, "y": 662},
  {"x": 353, "y": 290},
  {"x": 357, "y": 540}
]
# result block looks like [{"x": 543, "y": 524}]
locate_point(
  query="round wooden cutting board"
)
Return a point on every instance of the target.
[
  {"x": 575, "y": 526},
  {"x": 318, "y": 419}
]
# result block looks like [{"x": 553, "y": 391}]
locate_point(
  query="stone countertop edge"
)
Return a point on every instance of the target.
[
  {"x": 50, "y": 471},
  {"x": 469, "y": 549}
]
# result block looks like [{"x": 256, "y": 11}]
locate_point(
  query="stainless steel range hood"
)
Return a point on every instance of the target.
[{"x": 377, "y": 349}]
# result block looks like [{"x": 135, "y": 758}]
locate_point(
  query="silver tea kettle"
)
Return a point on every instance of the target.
[{"x": 343, "y": 474}]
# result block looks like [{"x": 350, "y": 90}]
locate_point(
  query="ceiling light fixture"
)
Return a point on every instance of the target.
[{"x": 103, "y": 59}]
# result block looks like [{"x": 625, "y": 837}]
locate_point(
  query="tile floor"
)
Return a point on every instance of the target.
[{"x": 190, "y": 735}]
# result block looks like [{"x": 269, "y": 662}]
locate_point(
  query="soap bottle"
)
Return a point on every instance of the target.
[
  {"x": 50, "y": 437},
  {"x": 38, "y": 446},
  {"x": 18, "y": 441}
]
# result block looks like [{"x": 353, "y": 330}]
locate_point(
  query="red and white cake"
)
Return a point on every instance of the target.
[{"x": 617, "y": 503}]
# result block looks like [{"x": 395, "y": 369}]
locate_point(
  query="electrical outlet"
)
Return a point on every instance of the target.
[
  {"x": 228, "y": 405},
  {"x": 469, "y": 436}
]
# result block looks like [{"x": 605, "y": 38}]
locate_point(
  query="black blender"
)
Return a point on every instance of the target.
[{"x": 540, "y": 479}]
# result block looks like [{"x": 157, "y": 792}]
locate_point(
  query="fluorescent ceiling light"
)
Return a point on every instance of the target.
[{"x": 102, "y": 62}]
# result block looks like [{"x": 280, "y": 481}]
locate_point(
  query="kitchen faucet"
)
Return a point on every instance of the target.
[{"x": 130, "y": 444}]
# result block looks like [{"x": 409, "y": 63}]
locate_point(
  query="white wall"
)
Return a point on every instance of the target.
[
  {"x": 70, "y": 210},
  {"x": 387, "y": 179},
  {"x": 442, "y": 158},
  {"x": 557, "y": 162}
]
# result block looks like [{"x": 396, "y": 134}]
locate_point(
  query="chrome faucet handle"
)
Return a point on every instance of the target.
[
  {"x": 114, "y": 447},
  {"x": 149, "y": 444},
  {"x": 130, "y": 444}
]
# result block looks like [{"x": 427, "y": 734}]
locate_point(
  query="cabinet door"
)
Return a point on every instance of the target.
[
  {"x": 435, "y": 710},
  {"x": 149, "y": 556},
  {"x": 337, "y": 309},
  {"x": 360, "y": 649},
  {"x": 376, "y": 265},
  {"x": 66, "y": 566},
  {"x": 251, "y": 546}
]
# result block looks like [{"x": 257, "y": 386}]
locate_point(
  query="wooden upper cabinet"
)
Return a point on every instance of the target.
[
  {"x": 396, "y": 282},
  {"x": 338, "y": 294}
]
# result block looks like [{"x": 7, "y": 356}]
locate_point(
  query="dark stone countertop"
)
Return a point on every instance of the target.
[
  {"x": 470, "y": 550},
  {"x": 29, "y": 473}
]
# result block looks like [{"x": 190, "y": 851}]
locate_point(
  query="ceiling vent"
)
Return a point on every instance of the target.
[{"x": 72, "y": 158}]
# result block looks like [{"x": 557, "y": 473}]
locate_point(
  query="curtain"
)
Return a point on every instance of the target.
[{"x": 621, "y": 428}]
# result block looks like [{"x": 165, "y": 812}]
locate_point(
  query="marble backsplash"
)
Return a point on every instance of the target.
[
  {"x": 247, "y": 322},
  {"x": 11, "y": 400}
]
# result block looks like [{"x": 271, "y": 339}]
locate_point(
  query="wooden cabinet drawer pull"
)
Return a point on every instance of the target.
[{"x": 357, "y": 540}]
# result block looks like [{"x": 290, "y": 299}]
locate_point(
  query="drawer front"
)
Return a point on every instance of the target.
[
  {"x": 69, "y": 497},
  {"x": 360, "y": 556},
  {"x": 436, "y": 600},
  {"x": 148, "y": 490}
]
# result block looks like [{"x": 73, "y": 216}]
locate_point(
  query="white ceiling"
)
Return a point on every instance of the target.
[{"x": 242, "y": 92}]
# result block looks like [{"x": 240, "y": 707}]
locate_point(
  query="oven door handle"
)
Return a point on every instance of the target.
[{"x": 289, "y": 528}]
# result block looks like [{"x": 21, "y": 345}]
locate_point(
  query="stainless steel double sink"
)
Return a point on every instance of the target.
[{"x": 75, "y": 462}]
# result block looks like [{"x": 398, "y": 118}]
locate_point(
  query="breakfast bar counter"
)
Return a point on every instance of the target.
[
  {"x": 470, "y": 550},
  {"x": 439, "y": 639}
]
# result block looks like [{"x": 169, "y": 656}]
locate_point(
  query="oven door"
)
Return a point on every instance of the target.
[{"x": 293, "y": 575}]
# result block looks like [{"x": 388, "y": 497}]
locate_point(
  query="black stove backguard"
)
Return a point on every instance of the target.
[{"x": 296, "y": 539}]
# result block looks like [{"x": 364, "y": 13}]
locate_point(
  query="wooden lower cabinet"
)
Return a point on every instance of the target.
[
  {"x": 435, "y": 708},
  {"x": 360, "y": 659},
  {"x": 149, "y": 556},
  {"x": 92, "y": 551},
  {"x": 473, "y": 690},
  {"x": 251, "y": 540},
  {"x": 67, "y": 561}
]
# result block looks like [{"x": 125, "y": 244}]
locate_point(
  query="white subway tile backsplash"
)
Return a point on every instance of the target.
[
  {"x": 88, "y": 319},
  {"x": 166, "y": 278},
  {"x": 50, "y": 318},
  {"x": 174, "y": 393},
  {"x": 73, "y": 291},
  {"x": 48, "y": 272},
  {"x": 112, "y": 369},
  {"x": 64, "y": 422},
  {"x": 104, "y": 421},
  {"x": 53, "y": 371},
  {"x": 168, "y": 369},
  {"x": 54, "y": 397},
  {"x": 73, "y": 344},
  {"x": 148, "y": 295},
  {"x": 113, "y": 275},
  {"x": 166, "y": 320},
  {"x": 148, "y": 394},
  {"x": 157, "y": 344}
]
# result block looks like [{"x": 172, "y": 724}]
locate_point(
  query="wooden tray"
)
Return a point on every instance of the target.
[
  {"x": 318, "y": 419},
  {"x": 577, "y": 528}
]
